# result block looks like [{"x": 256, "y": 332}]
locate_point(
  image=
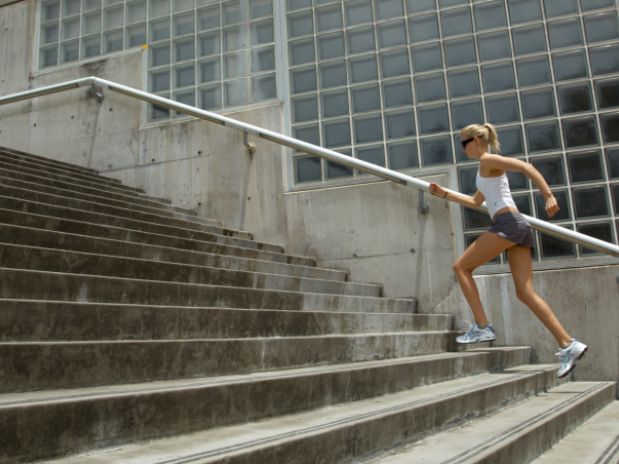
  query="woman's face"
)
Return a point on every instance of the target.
[{"x": 468, "y": 145}]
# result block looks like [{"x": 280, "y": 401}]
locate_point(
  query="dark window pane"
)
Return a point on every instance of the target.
[
  {"x": 601, "y": 231},
  {"x": 365, "y": 99},
  {"x": 397, "y": 93},
  {"x": 307, "y": 169},
  {"x": 363, "y": 69},
  {"x": 304, "y": 80},
  {"x": 533, "y": 71},
  {"x": 517, "y": 181},
  {"x": 403, "y": 155},
  {"x": 333, "y": 75},
  {"x": 400, "y": 124},
  {"x": 511, "y": 141},
  {"x": 595, "y": 4},
  {"x": 300, "y": 24},
  {"x": 358, "y": 12},
  {"x": 489, "y": 15},
  {"x": 498, "y": 77},
  {"x": 543, "y": 137},
  {"x": 610, "y": 127},
  {"x": 335, "y": 170},
  {"x": 305, "y": 109},
  {"x": 464, "y": 113},
  {"x": 607, "y": 93},
  {"x": 503, "y": 108},
  {"x": 335, "y": 103},
  {"x": 575, "y": 98},
  {"x": 374, "y": 155},
  {"x": 584, "y": 167},
  {"x": 564, "y": 209},
  {"x": 361, "y": 40},
  {"x": 551, "y": 168},
  {"x": 467, "y": 177},
  {"x": 418, "y": 6},
  {"x": 590, "y": 202},
  {"x": 600, "y": 27},
  {"x": 429, "y": 88},
  {"x": 434, "y": 119},
  {"x": 389, "y": 8},
  {"x": 612, "y": 159},
  {"x": 423, "y": 27},
  {"x": 427, "y": 57},
  {"x": 394, "y": 63},
  {"x": 337, "y": 133},
  {"x": 308, "y": 134},
  {"x": 522, "y": 11},
  {"x": 463, "y": 83},
  {"x": 368, "y": 129},
  {"x": 436, "y": 151},
  {"x": 529, "y": 39},
  {"x": 615, "y": 195},
  {"x": 560, "y": 7},
  {"x": 523, "y": 203},
  {"x": 455, "y": 22},
  {"x": 538, "y": 104},
  {"x": 331, "y": 46},
  {"x": 302, "y": 51},
  {"x": 494, "y": 46},
  {"x": 460, "y": 51},
  {"x": 553, "y": 247},
  {"x": 565, "y": 33},
  {"x": 569, "y": 65},
  {"x": 391, "y": 34},
  {"x": 475, "y": 219},
  {"x": 604, "y": 59},
  {"x": 579, "y": 132},
  {"x": 329, "y": 18}
]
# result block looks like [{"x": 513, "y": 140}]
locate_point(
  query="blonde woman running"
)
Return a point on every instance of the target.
[{"x": 509, "y": 231}]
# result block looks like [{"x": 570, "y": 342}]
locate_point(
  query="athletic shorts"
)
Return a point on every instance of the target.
[{"x": 513, "y": 227}]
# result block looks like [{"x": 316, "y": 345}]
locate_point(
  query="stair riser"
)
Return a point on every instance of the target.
[
  {"x": 57, "y": 224},
  {"x": 28, "y": 367},
  {"x": 16, "y": 154},
  {"x": 33, "y": 285},
  {"x": 34, "y": 321},
  {"x": 42, "y": 259},
  {"x": 139, "y": 417}
]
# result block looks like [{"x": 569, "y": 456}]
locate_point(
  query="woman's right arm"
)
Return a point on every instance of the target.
[{"x": 464, "y": 200}]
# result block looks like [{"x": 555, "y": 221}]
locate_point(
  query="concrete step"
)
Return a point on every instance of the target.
[
  {"x": 28, "y": 366},
  {"x": 25, "y": 320},
  {"x": 94, "y": 264},
  {"x": 135, "y": 412},
  {"x": 594, "y": 442},
  {"x": 10, "y": 207},
  {"x": 515, "y": 434},
  {"x": 54, "y": 286},
  {"x": 340, "y": 433},
  {"x": 60, "y": 240},
  {"x": 10, "y": 152}
]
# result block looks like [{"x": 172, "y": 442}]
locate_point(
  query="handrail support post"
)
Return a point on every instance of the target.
[
  {"x": 423, "y": 207},
  {"x": 96, "y": 92},
  {"x": 251, "y": 147}
]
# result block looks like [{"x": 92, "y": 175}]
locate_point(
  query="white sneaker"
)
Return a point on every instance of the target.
[
  {"x": 568, "y": 357},
  {"x": 477, "y": 334}
]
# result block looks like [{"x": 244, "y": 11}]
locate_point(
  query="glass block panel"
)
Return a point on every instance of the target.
[
  {"x": 303, "y": 80},
  {"x": 292, "y": 5},
  {"x": 523, "y": 203},
  {"x": 585, "y": 167},
  {"x": 50, "y": 10},
  {"x": 91, "y": 4},
  {"x": 446, "y": 3},
  {"x": 610, "y": 127},
  {"x": 49, "y": 33},
  {"x": 551, "y": 167},
  {"x": 580, "y": 132},
  {"x": 309, "y": 134},
  {"x": 465, "y": 113},
  {"x": 186, "y": 97},
  {"x": 423, "y": 27},
  {"x": 307, "y": 169},
  {"x": 467, "y": 177},
  {"x": 234, "y": 38},
  {"x": 233, "y": 12},
  {"x": 91, "y": 23},
  {"x": 430, "y": 88},
  {"x": 475, "y": 220},
  {"x": 160, "y": 29},
  {"x": 333, "y": 74},
  {"x": 331, "y": 46},
  {"x": 398, "y": 93},
  {"x": 368, "y": 129},
  {"x": 335, "y": 103},
  {"x": 305, "y": 108},
  {"x": 612, "y": 161},
  {"x": 365, "y": 99},
  {"x": 209, "y": 18},
  {"x": 235, "y": 65},
  {"x": 136, "y": 35},
  {"x": 235, "y": 92},
  {"x": 553, "y": 247},
  {"x": 494, "y": 46},
  {"x": 300, "y": 24},
  {"x": 459, "y": 51},
  {"x": 601, "y": 27},
  {"x": 560, "y": 7},
  {"x": 403, "y": 155},
  {"x": 358, "y": 12},
  {"x": 433, "y": 119},
  {"x": 607, "y": 93},
  {"x": 184, "y": 50},
  {"x": 210, "y": 44},
  {"x": 575, "y": 98},
  {"x": 394, "y": 63},
  {"x": 302, "y": 51},
  {"x": 70, "y": 28},
  {"x": 427, "y": 57},
  {"x": 602, "y": 231},
  {"x": 562, "y": 200},
  {"x": 522, "y": 11},
  {"x": 159, "y": 112},
  {"x": 335, "y": 170},
  {"x": 159, "y": 80},
  {"x": 210, "y": 97},
  {"x": 511, "y": 141},
  {"x": 436, "y": 151},
  {"x": 260, "y": 8},
  {"x": 159, "y": 8},
  {"x": 263, "y": 87},
  {"x": 517, "y": 181},
  {"x": 183, "y": 24},
  {"x": 570, "y": 65},
  {"x": 91, "y": 46},
  {"x": 363, "y": 69},
  {"x": 113, "y": 41},
  {"x": 565, "y": 33},
  {"x": 374, "y": 155},
  {"x": 70, "y": 7},
  {"x": 136, "y": 11},
  {"x": 361, "y": 40},
  {"x": 329, "y": 18},
  {"x": 388, "y": 9},
  {"x": 184, "y": 75},
  {"x": 113, "y": 17},
  {"x": 456, "y": 22},
  {"x": 262, "y": 32},
  {"x": 391, "y": 34},
  {"x": 263, "y": 59},
  {"x": 529, "y": 39},
  {"x": 182, "y": 5},
  {"x": 337, "y": 133},
  {"x": 401, "y": 124},
  {"x": 498, "y": 77},
  {"x": 419, "y": 6},
  {"x": 533, "y": 71},
  {"x": 502, "y": 108},
  {"x": 615, "y": 194},
  {"x": 463, "y": 83},
  {"x": 587, "y": 5},
  {"x": 590, "y": 202},
  {"x": 538, "y": 103},
  {"x": 543, "y": 137},
  {"x": 489, "y": 15},
  {"x": 69, "y": 51},
  {"x": 604, "y": 60},
  {"x": 210, "y": 70}
]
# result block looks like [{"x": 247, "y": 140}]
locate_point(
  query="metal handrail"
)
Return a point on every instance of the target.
[{"x": 330, "y": 155}]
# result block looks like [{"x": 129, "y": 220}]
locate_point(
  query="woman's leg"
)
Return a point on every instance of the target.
[
  {"x": 482, "y": 250},
  {"x": 520, "y": 264}
]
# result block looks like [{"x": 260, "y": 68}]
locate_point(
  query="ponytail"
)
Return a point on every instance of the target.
[
  {"x": 493, "y": 138},
  {"x": 487, "y": 133}
]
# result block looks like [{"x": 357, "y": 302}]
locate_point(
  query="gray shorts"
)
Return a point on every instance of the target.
[{"x": 513, "y": 227}]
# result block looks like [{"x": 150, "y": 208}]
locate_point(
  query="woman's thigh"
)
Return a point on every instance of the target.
[{"x": 487, "y": 246}]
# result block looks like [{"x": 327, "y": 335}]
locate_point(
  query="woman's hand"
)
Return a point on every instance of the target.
[
  {"x": 552, "y": 207},
  {"x": 437, "y": 190}
]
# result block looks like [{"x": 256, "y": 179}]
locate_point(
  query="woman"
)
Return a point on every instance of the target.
[{"x": 509, "y": 231}]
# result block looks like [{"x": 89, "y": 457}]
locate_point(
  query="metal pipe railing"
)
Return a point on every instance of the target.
[{"x": 330, "y": 155}]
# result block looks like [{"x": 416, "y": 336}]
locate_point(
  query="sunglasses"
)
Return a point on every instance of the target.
[{"x": 466, "y": 142}]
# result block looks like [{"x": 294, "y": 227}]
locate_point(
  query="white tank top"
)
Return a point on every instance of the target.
[{"x": 496, "y": 192}]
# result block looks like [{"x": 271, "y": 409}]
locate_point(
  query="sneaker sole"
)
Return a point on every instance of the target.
[
  {"x": 580, "y": 356},
  {"x": 475, "y": 341}
]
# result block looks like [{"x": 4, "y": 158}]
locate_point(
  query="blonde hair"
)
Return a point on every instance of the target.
[{"x": 486, "y": 132}]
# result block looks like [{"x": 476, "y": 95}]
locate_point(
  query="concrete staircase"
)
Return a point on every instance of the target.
[{"x": 132, "y": 331}]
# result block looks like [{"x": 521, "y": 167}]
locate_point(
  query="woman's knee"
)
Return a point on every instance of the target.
[{"x": 525, "y": 293}]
